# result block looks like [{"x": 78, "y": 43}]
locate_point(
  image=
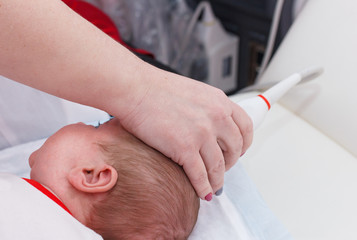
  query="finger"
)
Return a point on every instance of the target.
[
  {"x": 244, "y": 124},
  {"x": 213, "y": 159},
  {"x": 230, "y": 141},
  {"x": 196, "y": 171}
]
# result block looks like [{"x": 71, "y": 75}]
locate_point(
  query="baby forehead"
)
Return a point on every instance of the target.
[
  {"x": 109, "y": 131},
  {"x": 88, "y": 133},
  {"x": 67, "y": 142},
  {"x": 71, "y": 134}
]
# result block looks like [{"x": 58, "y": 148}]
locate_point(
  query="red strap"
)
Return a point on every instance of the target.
[
  {"x": 47, "y": 193},
  {"x": 265, "y": 100},
  {"x": 101, "y": 21}
]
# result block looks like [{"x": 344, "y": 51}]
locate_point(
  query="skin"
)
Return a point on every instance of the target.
[
  {"x": 71, "y": 165},
  {"x": 49, "y": 47}
]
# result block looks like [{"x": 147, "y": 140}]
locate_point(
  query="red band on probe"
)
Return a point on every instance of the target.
[{"x": 265, "y": 100}]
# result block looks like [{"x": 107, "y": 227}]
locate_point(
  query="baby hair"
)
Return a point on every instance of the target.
[{"x": 152, "y": 199}]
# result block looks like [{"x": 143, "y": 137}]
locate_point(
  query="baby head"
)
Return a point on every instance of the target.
[{"x": 115, "y": 184}]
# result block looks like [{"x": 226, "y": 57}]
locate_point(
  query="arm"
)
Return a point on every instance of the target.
[{"x": 47, "y": 46}]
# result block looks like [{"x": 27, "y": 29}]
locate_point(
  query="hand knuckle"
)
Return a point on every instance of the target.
[
  {"x": 220, "y": 93},
  {"x": 234, "y": 152},
  {"x": 218, "y": 168},
  {"x": 204, "y": 130},
  {"x": 184, "y": 153},
  {"x": 219, "y": 114},
  {"x": 200, "y": 179}
]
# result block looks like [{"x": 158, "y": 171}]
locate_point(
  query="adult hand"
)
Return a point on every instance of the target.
[{"x": 195, "y": 125}]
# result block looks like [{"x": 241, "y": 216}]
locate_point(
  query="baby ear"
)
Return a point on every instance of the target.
[{"x": 96, "y": 179}]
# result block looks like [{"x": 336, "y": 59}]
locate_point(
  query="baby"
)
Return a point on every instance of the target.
[{"x": 115, "y": 184}]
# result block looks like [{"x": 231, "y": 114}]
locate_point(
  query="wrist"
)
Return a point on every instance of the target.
[{"x": 133, "y": 84}]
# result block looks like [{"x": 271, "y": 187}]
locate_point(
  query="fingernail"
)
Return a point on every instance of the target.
[
  {"x": 208, "y": 197},
  {"x": 219, "y": 191}
]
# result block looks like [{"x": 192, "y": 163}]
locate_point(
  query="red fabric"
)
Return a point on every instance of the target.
[
  {"x": 102, "y": 21},
  {"x": 47, "y": 193}
]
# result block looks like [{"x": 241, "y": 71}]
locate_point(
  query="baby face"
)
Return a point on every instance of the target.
[{"x": 66, "y": 148}]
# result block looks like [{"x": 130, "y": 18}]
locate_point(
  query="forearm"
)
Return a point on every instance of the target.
[{"x": 46, "y": 45}]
